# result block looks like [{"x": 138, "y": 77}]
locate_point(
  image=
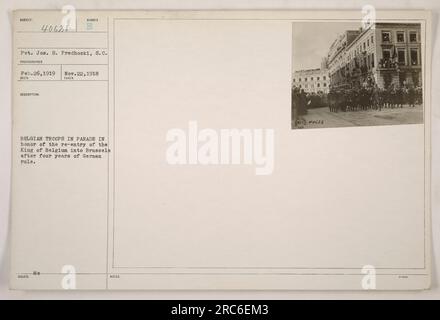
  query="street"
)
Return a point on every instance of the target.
[{"x": 323, "y": 118}]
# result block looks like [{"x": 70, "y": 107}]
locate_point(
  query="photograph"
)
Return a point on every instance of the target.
[{"x": 346, "y": 74}]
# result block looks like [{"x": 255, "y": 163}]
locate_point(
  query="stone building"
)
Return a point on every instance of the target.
[
  {"x": 312, "y": 80},
  {"x": 384, "y": 53}
]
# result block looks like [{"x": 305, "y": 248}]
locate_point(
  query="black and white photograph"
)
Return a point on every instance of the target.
[{"x": 348, "y": 74}]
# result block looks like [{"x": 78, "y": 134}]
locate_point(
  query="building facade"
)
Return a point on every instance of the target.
[
  {"x": 388, "y": 54},
  {"x": 312, "y": 80}
]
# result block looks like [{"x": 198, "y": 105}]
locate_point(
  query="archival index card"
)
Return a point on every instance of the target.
[{"x": 221, "y": 150}]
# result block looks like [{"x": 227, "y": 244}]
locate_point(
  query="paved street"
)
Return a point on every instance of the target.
[{"x": 323, "y": 118}]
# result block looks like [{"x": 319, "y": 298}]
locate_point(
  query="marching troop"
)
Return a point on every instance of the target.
[
  {"x": 362, "y": 98},
  {"x": 373, "y": 97}
]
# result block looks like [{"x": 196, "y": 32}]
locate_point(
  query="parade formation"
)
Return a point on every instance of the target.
[
  {"x": 369, "y": 97},
  {"x": 373, "y": 97},
  {"x": 366, "y": 70}
]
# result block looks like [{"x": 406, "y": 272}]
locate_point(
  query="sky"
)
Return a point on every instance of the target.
[{"x": 311, "y": 41}]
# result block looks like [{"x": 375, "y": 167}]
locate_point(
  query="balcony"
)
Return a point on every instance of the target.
[{"x": 389, "y": 64}]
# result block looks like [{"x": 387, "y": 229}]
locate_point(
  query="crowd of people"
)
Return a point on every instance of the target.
[
  {"x": 373, "y": 97},
  {"x": 369, "y": 97},
  {"x": 302, "y": 101}
]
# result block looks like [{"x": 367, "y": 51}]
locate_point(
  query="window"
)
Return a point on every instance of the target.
[
  {"x": 368, "y": 42},
  {"x": 364, "y": 46},
  {"x": 299, "y": 79},
  {"x": 401, "y": 57},
  {"x": 305, "y": 79},
  {"x": 386, "y": 54},
  {"x": 414, "y": 57},
  {"x": 386, "y": 37},
  {"x": 323, "y": 77},
  {"x": 400, "y": 36},
  {"x": 325, "y": 84},
  {"x": 319, "y": 85},
  {"x": 413, "y": 36},
  {"x": 317, "y": 78},
  {"x": 293, "y": 80},
  {"x": 372, "y": 40},
  {"x": 372, "y": 60},
  {"x": 311, "y": 78}
]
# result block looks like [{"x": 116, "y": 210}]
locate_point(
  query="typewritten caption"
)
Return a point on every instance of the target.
[{"x": 37, "y": 148}]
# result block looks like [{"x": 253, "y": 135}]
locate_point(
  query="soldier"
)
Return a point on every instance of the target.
[
  {"x": 349, "y": 100},
  {"x": 386, "y": 97},
  {"x": 370, "y": 96},
  {"x": 344, "y": 103},
  {"x": 340, "y": 104},
  {"x": 411, "y": 96},
  {"x": 418, "y": 92},
  {"x": 302, "y": 103},
  {"x": 392, "y": 97},
  {"x": 375, "y": 96},
  {"x": 330, "y": 100},
  {"x": 334, "y": 100},
  {"x": 381, "y": 98},
  {"x": 295, "y": 106},
  {"x": 360, "y": 98},
  {"x": 399, "y": 97}
]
